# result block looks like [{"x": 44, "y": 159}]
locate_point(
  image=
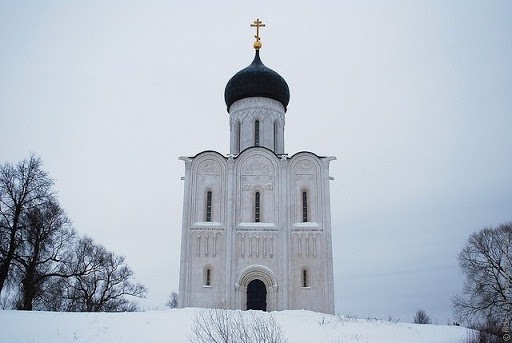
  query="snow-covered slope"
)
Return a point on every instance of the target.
[{"x": 175, "y": 326}]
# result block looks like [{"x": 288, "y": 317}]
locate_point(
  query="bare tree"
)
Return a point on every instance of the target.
[
  {"x": 22, "y": 187},
  {"x": 103, "y": 281},
  {"x": 217, "y": 325},
  {"x": 43, "y": 251},
  {"x": 172, "y": 302},
  {"x": 486, "y": 262},
  {"x": 421, "y": 317},
  {"x": 40, "y": 257}
]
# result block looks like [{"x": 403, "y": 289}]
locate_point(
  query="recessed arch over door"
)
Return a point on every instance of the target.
[{"x": 256, "y": 286}]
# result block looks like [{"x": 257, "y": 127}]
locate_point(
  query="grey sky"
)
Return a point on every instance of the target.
[{"x": 414, "y": 99}]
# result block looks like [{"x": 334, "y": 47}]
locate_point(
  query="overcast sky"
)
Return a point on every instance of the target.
[{"x": 413, "y": 97}]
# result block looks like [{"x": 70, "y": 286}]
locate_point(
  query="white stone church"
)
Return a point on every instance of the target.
[{"x": 256, "y": 222}]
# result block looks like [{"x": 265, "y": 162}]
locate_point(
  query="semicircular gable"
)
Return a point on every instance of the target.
[
  {"x": 305, "y": 163},
  {"x": 209, "y": 162},
  {"x": 257, "y": 162}
]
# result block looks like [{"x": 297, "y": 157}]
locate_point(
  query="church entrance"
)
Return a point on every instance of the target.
[{"x": 256, "y": 295}]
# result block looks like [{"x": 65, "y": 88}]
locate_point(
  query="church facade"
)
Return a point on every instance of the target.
[{"x": 256, "y": 230}]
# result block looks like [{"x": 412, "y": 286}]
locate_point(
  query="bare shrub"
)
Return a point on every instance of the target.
[
  {"x": 421, "y": 317},
  {"x": 265, "y": 328},
  {"x": 213, "y": 325},
  {"x": 217, "y": 325},
  {"x": 172, "y": 302}
]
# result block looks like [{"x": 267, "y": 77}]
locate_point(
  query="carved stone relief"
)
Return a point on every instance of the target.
[
  {"x": 304, "y": 167},
  {"x": 255, "y": 245},
  {"x": 257, "y": 166},
  {"x": 307, "y": 244},
  {"x": 209, "y": 167},
  {"x": 206, "y": 244}
]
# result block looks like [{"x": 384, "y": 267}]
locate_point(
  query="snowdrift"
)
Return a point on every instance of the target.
[{"x": 174, "y": 326}]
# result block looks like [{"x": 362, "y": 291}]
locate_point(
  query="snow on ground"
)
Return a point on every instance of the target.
[{"x": 174, "y": 326}]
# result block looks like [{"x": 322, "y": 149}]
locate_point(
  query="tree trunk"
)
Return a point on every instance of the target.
[
  {"x": 28, "y": 296},
  {"x": 31, "y": 280},
  {"x": 29, "y": 287},
  {"x": 6, "y": 263},
  {"x": 4, "y": 271}
]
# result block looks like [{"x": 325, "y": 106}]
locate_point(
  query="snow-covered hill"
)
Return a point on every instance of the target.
[{"x": 175, "y": 326}]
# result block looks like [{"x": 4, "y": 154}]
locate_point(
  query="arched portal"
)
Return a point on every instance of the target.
[
  {"x": 256, "y": 289},
  {"x": 256, "y": 295}
]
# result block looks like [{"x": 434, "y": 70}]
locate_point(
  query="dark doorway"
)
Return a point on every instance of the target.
[{"x": 256, "y": 295}]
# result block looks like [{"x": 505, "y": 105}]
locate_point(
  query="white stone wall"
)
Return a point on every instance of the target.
[{"x": 276, "y": 250}]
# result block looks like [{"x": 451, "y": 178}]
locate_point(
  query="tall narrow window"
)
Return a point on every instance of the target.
[
  {"x": 304, "y": 206},
  {"x": 275, "y": 137},
  {"x": 208, "y": 277},
  {"x": 209, "y": 206},
  {"x": 257, "y": 205},
  {"x": 304, "y": 278},
  {"x": 238, "y": 137},
  {"x": 257, "y": 132}
]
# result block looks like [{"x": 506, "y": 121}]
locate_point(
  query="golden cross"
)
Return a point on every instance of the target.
[{"x": 257, "y": 24}]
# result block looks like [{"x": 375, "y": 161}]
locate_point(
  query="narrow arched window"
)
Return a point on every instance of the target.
[
  {"x": 275, "y": 137},
  {"x": 304, "y": 206},
  {"x": 304, "y": 278},
  {"x": 238, "y": 136},
  {"x": 257, "y": 207},
  {"x": 257, "y": 132},
  {"x": 209, "y": 206},
  {"x": 208, "y": 277}
]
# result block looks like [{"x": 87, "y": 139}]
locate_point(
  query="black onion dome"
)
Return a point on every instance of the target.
[{"x": 257, "y": 80}]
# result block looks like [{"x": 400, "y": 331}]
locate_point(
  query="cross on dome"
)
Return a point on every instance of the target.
[{"x": 257, "y": 24}]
